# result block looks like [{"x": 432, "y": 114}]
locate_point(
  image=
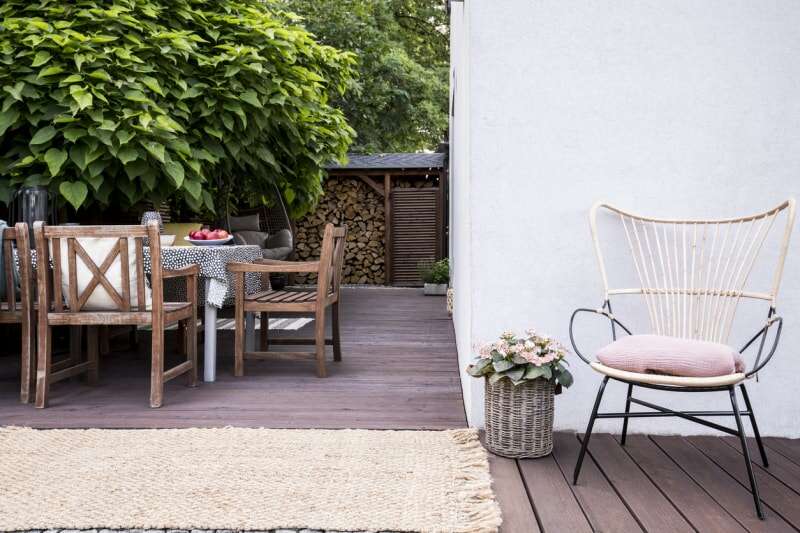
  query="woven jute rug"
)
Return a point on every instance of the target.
[{"x": 245, "y": 479}]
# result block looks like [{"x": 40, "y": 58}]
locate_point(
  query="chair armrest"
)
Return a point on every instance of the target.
[
  {"x": 188, "y": 270},
  {"x": 270, "y": 265},
  {"x": 601, "y": 311},
  {"x": 762, "y": 333}
]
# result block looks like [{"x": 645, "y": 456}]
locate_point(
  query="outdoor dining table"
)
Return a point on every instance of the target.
[{"x": 217, "y": 289}]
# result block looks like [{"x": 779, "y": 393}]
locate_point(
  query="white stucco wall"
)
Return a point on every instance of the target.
[
  {"x": 460, "y": 197},
  {"x": 679, "y": 108}
]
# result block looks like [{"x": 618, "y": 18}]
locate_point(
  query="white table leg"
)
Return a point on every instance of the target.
[
  {"x": 250, "y": 332},
  {"x": 210, "y": 340}
]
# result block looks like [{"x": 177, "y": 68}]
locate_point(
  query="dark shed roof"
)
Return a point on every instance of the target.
[{"x": 391, "y": 161}]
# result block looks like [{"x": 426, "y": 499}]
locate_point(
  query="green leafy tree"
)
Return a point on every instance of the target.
[
  {"x": 119, "y": 101},
  {"x": 399, "y": 100}
]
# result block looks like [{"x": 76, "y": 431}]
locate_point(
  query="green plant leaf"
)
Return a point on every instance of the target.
[
  {"x": 7, "y": 118},
  {"x": 503, "y": 365},
  {"x": 127, "y": 154},
  {"x": 74, "y": 192},
  {"x": 175, "y": 172},
  {"x": 152, "y": 84},
  {"x": 533, "y": 372},
  {"x": 43, "y": 135},
  {"x": 41, "y": 58},
  {"x": 54, "y": 158},
  {"x": 155, "y": 149},
  {"x": 81, "y": 96},
  {"x": 251, "y": 98}
]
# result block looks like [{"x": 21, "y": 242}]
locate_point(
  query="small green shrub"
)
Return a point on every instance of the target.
[
  {"x": 119, "y": 101},
  {"x": 435, "y": 272}
]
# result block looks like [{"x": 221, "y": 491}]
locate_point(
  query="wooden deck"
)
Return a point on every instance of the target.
[
  {"x": 399, "y": 371},
  {"x": 654, "y": 484}
]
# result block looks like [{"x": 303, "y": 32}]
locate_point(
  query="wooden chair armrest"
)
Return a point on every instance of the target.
[
  {"x": 188, "y": 270},
  {"x": 269, "y": 265}
]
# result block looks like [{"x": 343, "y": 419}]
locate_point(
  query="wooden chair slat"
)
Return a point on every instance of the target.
[
  {"x": 72, "y": 275},
  {"x": 42, "y": 263},
  {"x": 126, "y": 275},
  {"x": 8, "y": 260},
  {"x": 140, "y": 280}
]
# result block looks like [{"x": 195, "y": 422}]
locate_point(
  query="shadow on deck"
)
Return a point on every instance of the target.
[{"x": 399, "y": 371}]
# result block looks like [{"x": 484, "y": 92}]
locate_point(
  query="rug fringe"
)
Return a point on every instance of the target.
[{"x": 475, "y": 487}]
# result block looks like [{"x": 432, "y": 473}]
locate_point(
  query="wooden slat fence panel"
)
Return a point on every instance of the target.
[{"x": 415, "y": 232}]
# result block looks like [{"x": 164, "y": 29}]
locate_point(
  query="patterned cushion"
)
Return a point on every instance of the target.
[{"x": 672, "y": 356}]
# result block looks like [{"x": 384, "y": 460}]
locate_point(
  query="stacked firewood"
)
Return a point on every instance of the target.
[{"x": 350, "y": 202}]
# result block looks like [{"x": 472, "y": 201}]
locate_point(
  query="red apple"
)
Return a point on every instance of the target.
[
  {"x": 215, "y": 235},
  {"x": 198, "y": 236},
  {"x": 205, "y": 231},
  {"x": 222, "y": 234}
]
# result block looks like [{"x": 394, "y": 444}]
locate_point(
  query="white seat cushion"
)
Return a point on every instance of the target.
[
  {"x": 98, "y": 248},
  {"x": 671, "y": 356}
]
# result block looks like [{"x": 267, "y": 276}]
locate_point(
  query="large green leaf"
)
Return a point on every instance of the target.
[
  {"x": 43, "y": 135},
  {"x": 74, "y": 192},
  {"x": 54, "y": 158},
  {"x": 41, "y": 58},
  {"x": 175, "y": 172},
  {"x": 7, "y": 119},
  {"x": 81, "y": 95}
]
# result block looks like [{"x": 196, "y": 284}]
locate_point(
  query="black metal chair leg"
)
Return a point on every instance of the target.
[
  {"x": 588, "y": 433},
  {"x": 746, "y": 453},
  {"x": 756, "y": 433},
  {"x": 627, "y": 410}
]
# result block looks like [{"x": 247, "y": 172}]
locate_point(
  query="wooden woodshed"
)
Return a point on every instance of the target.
[{"x": 413, "y": 187}]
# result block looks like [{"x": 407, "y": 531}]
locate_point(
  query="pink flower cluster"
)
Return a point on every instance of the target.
[{"x": 532, "y": 347}]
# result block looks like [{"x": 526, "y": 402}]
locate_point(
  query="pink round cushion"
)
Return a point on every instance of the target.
[{"x": 672, "y": 356}]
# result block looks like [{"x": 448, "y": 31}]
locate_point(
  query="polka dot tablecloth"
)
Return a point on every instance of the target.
[{"x": 213, "y": 261}]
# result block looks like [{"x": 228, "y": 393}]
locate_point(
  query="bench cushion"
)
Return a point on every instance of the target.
[{"x": 672, "y": 356}]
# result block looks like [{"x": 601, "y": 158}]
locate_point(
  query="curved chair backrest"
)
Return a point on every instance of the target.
[{"x": 693, "y": 273}]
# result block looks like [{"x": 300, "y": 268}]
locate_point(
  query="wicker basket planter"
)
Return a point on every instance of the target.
[{"x": 519, "y": 419}]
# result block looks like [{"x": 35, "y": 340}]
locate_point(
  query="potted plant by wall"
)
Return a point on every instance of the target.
[
  {"x": 435, "y": 275},
  {"x": 522, "y": 373}
]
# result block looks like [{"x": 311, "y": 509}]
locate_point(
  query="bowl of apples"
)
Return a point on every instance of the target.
[{"x": 209, "y": 237}]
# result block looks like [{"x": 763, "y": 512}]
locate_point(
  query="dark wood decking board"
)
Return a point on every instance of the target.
[
  {"x": 554, "y": 502},
  {"x": 726, "y": 491},
  {"x": 773, "y": 492},
  {"x": 653, "y": 511},
  {"x": 789, "y": 448},
  {"x": 399, "y": 371},
  {"x": 694, "y": 503},
  {"x": 660, "y": 483},
  {"x": 601, "y": 504},
  {"x": 780, "y": 467}
]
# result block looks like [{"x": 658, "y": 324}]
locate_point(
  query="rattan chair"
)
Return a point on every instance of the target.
[
  {"x": 692, "y": 274},
  {"x": 98, "y": 279},
  {"x": 17, "y": 308}
]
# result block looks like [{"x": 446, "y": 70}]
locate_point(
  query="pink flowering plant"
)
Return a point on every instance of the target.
[{"x": 522, "y": 358}]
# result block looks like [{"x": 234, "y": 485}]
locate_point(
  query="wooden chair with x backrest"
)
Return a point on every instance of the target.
[
  {"x": 98, "y": 279},
  {"x": 312, "y": 301},
  {"x": 692, "y": 275},
  {"x": 18, "y": 305}
]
